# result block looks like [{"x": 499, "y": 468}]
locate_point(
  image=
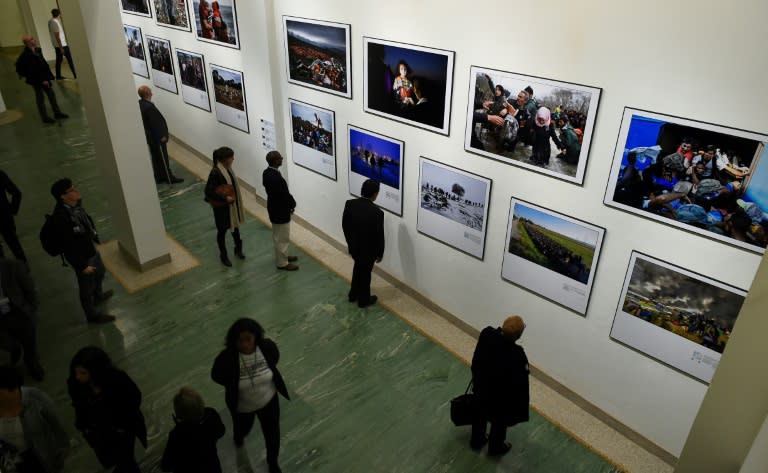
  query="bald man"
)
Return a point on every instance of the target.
[
  {"x": 31, "y": 65},
  {"x": 156, "y": 130}
]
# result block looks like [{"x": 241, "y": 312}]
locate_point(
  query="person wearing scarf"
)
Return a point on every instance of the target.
[
  {"x": 543, "y": 129},
  {"x": 223, "y": 193}
]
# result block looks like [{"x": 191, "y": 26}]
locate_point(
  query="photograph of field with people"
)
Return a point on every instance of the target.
[
  {"x": 453, "y": 195},
  {"x": 555, "y": 243},
  {"x": 318, "y": 54},
  {"x": 690, "y": 307},
  {"x": 228, "y": 87}
]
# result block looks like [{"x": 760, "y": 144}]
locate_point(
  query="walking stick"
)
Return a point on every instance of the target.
[{"x": 165, "y": 164}]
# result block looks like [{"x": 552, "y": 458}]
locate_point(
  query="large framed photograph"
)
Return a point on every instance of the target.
[
  {"x": 161, "y": 60},
  {"x": 707, "y": 179},
  {"x": 408, "y": 83},
  {"x": 194, "y": 90},
  {"x": 551, "y": 254},
  {"x": 136, "y": 7},
  {"x": 216, "y": 22},
  {"x": 539, "y": 124},
  {"x": 375, "y": 156},
  {"x": 318, "y": 55},
  {"x": 676, "y": 316},
  {"x": 135, "y": 43},
  {"x": 229, "y": 95},
  {"x": 172, "y": 13},
  {"x": 453, "y": 206},
  {"x": 313, "y": 130}
]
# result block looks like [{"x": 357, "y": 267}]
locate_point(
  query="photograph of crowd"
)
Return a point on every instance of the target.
[
  {"x": 192, "y": 74},
  {"x": 313, "y": 131},
  {"x": 136, "y": 7},
  {"x": 135, "y": 45},
  {"x": 229, "y": 97},
  {"x": 172, "y": 13},
  {"x": 160, "y": 60},
  {"x": 317, "y": 55},
  {"x": 408, "y": 83},
  {"x": 216, "y": 22},
  {"x": 539, "y": 124},
  {"x": 708, "y": 179},
  {"x": 375, "y": 156}
]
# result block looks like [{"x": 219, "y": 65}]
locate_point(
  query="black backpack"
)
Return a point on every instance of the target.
[{"x": 50, "y": 239}]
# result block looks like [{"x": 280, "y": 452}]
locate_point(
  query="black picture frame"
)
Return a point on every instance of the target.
[{"x": 222, "y": 37}]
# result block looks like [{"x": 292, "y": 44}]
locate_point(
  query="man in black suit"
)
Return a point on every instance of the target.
[
  {"x": 280, "y": 206},
  {"x": 363, "y": 225},
  {"x": 32, "y": 66},
  {"x": 7, "y": 211},
  {"x": 156, "y": 130}
]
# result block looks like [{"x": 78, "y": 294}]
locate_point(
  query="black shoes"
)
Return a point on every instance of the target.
[
  {"x": 225, "y": 261},
  {"x": 479, "y": 446},
  {"x": 505, "y": 448},
  {"x": 292, "y": 259},
  {"x": 48, "y": 120},
  {"x": 372, "y": 300},
  {"x": 239, "y": 253},
  {"x": 60, "y": 115},
  {"x": 101, "y": 319},
  {"x": 176, "y": 180},
  {"x": 289, "y": 267},
  {"x": 104, "y": 296}
]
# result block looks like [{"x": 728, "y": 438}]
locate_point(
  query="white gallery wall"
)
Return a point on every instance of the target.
[{"x": 693, "y": 59}]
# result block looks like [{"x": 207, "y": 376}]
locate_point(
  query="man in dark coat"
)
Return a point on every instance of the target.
[
  {"x": 280, "y": 206},
  {"x": 500, "y": 383},
  {"x": 32, "y": 66},
  {"x": 18, "y": 304},
  {"x": 8, "y": 210},
  {"x": 77, "y": 234},
  {"x": 363, "y": 225},
  {"x": 156, "y": 131}
]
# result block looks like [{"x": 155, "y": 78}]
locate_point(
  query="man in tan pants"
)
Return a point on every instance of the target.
[{"x": 280, "y": 206}]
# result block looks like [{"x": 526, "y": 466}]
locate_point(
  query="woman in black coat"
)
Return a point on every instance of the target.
[
  {"x": 500, "y": 383},
  {"x": 223, "y": 193},
  {"x": 107, "y": 409},
  {"x": 247, "y": 368}
]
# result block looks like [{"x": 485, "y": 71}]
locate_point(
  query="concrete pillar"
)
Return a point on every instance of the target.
[
  {"x": 736, "y": 404},
  {"x": 104, "y": 76},
  {"x": 36, "y": 14},
  {"x": 757, "y": 459}
]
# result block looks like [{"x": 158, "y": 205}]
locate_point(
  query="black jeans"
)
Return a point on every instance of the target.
[
  {"x": 269, "y": 418},
  {"x": 221, "y": 234},
  {"x": 114, "y": 449},
  {"x": 361, "y": 280},
  {"x": 8, "y": 230},
  {"x": 41, "y": 89},
  {"x": 90, "y": 286},
  {"x": 17, "y": 329},
  {"x": 59, "y": 59},
  {"x": 160, "y": 164},
  {"x": 496, "y": 438}
]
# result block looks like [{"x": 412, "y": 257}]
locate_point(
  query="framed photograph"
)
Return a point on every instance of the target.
[
  {"x": 135, "y": 44},
  {"x": 136, "y": 7},
  {"x": 375, "y": 156},
  {"x": 194, "y": 90},
  {"x": 216, "y": 22},
  {"x": 172, "y": 13},
  {"x": 318, "y": 55},
  {"x": 539, "y": 124},
  {"x": 551, "y": 254},
  {"x": 161, "y": 60},
  {"x": 314, "y": 138},
  {"x": 676, "y": 316},
  {"x": 229, "y": 95},
  {"x": 707, "y": 179},
  {"x": 453, "y": 206},
  {"x": 408, "y": 83}
]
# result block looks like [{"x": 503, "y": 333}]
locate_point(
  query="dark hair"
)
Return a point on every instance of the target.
[
  {"x": 741, "y": 221},
  {"x": 10, "y": 378},
  {"x": 243, "y": 325},
  {"x": 95, "y": 360},
  {"x": 370, "y": 188},
  {"x": 55, "y": 12},
  {"x": 407, "y": 67},
  {"x": 710, "y": 148},
  {"x": 686, "y": 139},
  {"x": 220, "y": 154},
  {"x": 60, "y": 187},
  {"x": 529, "y": 89},
  {"x": 272, "y": 156}
]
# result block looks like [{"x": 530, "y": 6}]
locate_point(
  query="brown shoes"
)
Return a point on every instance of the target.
[{"x": 288, "y": 267}]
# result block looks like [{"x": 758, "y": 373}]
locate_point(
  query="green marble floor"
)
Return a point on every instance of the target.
[{"x": 370, "y": 394}]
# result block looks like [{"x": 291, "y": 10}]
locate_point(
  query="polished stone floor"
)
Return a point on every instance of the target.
[{"x": 369, "y": 393}]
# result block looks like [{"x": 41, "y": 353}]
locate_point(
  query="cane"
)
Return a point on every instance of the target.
[{"x": 165, "y": 164}]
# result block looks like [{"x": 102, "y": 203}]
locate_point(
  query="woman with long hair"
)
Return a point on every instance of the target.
[{"x": 223, "y": 193}]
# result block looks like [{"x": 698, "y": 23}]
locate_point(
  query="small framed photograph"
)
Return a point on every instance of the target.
[
  {"x": 216, "y": 22},
  {"x": 318, "y": 55},
  {"x": 194, "y": 89},
  {"x": 173, "y": 14},
  {"x": 135, "y": 43},
  {"x": 707, "y": 179},
  {"x": 375, "y": 156},
  {"x": 229, "y": 95},
  {"x": 551, "y": 254},
  {"x": 408, "y": 83},
  {"x": 136, "y": 7},
  {"x": 539, "y": 124},
  {"x": 679, "y": 317},
  {"x": 314, "y": 138},
  {"x": 161, "y": 60},
  {"x": 453, "y": 206}
]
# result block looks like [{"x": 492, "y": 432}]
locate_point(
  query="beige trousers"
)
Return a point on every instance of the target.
[{"x": 281, "y": 236}]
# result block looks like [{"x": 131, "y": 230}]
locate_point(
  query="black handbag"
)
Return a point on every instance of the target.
[{"x": 463, "y": 408}]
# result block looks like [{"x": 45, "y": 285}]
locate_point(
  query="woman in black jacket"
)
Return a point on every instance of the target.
[
  {"x": 107, "y": 409},
  {"x": 500, "y": 383},
  {"x": 223, "y": 193},
  {"x": 247, "y": 368}
]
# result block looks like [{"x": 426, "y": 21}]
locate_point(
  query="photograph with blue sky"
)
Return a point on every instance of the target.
[
  {"x": 556, "y": 224},
  {"x": 375, "y": 157}
]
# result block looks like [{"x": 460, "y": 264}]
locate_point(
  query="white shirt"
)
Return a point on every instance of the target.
[
  {"x": 256, "y": 387},
  {"x": 54, "y": 26}
]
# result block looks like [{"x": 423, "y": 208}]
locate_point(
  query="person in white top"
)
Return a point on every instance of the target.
[{"x": 59, "y": 41}]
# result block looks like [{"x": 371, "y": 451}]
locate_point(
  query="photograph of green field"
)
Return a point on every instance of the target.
[{"x": 557, "y": 244}]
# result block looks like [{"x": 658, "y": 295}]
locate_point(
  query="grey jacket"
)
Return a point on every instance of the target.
[{"x": 43, "y": 431}]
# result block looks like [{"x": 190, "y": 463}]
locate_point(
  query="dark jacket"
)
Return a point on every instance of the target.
[
  {"x": 33, "y": 67},
  {"x": 18, "y": 286},
  {"x": 77, "y": 241},
  {"x": 363, "y": 225},
  {"x": 191, "y": 446},
  {"x": 43, "y": 431},
  {"x": 280, "y": 202},
  {"x": 215, "y": 179},
  {"x": 155, "y": 126},
  {"x": 8, "y": 209},
  {"x": 500, "y": 377},
  {"x": 226, "y": 372}
]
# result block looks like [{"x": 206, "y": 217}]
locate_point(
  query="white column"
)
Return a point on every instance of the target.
[
  {"x": 36, "y": 14},
  {"x": 757, "y": 459},
  {"x": 109, "y": 94}
]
